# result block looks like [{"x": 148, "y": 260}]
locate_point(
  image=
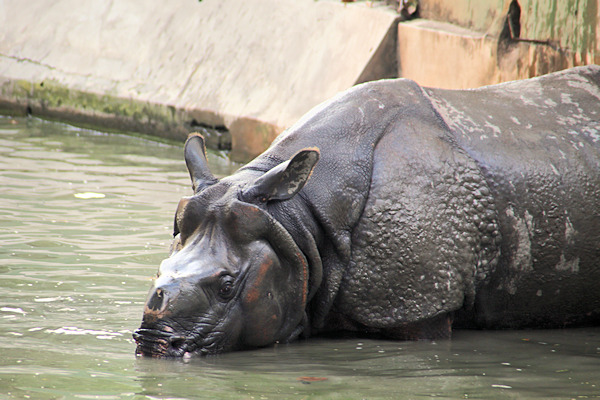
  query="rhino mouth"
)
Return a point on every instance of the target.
[
  {"x": 158, "y": 343},
  {"x": 164, "y": 343}
]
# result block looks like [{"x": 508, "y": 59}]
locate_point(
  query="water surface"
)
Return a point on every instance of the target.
[{"x": 85, "y": 219}]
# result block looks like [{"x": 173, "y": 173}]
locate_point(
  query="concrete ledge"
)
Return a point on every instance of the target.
[
  {"x": 439, "y": 54},
  {"x": 482, "y": 15},
  {"x": 161, "y": 67},
  {"x": 33, "y": 89}
]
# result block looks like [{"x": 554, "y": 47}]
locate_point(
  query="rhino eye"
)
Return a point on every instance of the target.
[{"x": 226, "y": 289}]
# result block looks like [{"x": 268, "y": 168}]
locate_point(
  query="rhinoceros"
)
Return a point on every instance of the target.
[{"x": 393, "y": 210}]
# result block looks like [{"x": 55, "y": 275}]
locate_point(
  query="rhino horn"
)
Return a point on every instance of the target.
[{"x": 197, "y": 165}]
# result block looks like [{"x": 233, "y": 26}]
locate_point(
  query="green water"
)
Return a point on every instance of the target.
[{"x": 74, "y": 273}]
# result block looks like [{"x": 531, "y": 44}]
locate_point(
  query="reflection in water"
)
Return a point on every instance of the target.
[{"x": 75, "y": 269}]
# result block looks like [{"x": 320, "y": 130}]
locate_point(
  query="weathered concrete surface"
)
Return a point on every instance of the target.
[
  {"x": 573, "y": 24},
  {"x": 439, "y": 54},
  {"x": 253, "y": 67},
  {"x": 465, "y": 44}
]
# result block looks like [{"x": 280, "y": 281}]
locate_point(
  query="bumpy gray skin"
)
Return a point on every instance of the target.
[
  {"x": 432, "y": 201},
  {"x": 429, "y": 204},
  {"x": 537, "y": 145}
]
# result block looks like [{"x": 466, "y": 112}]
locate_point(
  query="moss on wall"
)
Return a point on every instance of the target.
[
  {"x": 572, "y": 24},
  {"x": 50, "y": 99}
]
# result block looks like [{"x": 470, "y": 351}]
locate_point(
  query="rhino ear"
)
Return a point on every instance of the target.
[
  {"x": 195, "y": 158},
  {"x": 283, "y": 181}
]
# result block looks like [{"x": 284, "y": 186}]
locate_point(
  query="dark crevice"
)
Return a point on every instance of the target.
[
  {"x": 194, "y": 123},
  {"x": 216, "y": 136},
  {"x": 511, "y": 29},
  {"x": 511, "y": 32},
  {"x": 513, "y": 19}
]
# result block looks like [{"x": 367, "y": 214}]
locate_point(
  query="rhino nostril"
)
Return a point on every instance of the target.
[
  {"x": 176, "y": 341},
  {"x": 157, "y": 299}
]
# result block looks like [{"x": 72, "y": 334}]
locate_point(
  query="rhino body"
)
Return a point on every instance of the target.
[{"x": 398, "y": 210}]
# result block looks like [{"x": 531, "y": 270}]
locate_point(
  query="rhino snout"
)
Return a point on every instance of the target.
[{"x": 157, "y": 336}]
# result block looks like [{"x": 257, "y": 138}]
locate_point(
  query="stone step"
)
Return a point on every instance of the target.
[{"x": 444, "y": 55}]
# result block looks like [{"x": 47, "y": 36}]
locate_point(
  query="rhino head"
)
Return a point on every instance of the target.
[{"x": 235, "y": 278}]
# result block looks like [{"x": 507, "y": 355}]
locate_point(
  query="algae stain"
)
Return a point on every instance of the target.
[
  {"x": 573, "y": 23},
  {"x": 48, "y": 97},
  {"x": 551, "y": 21},
  {"x": 590, "y": 27}
]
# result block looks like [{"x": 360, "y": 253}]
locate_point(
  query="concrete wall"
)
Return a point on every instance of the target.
[
  {"x": 573, "y": 24},
  {"x": 460, "y": 43},
  {"x": 252, "y": 67}
]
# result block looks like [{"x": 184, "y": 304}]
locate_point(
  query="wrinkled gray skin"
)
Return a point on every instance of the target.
[{"x": 425, "y": 207}]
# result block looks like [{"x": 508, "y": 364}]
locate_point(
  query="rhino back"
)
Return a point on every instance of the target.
[{"x": 537, "y": 142}]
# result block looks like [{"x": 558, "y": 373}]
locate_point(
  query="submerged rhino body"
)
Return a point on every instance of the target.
[{"x": 393, "y": 209}]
